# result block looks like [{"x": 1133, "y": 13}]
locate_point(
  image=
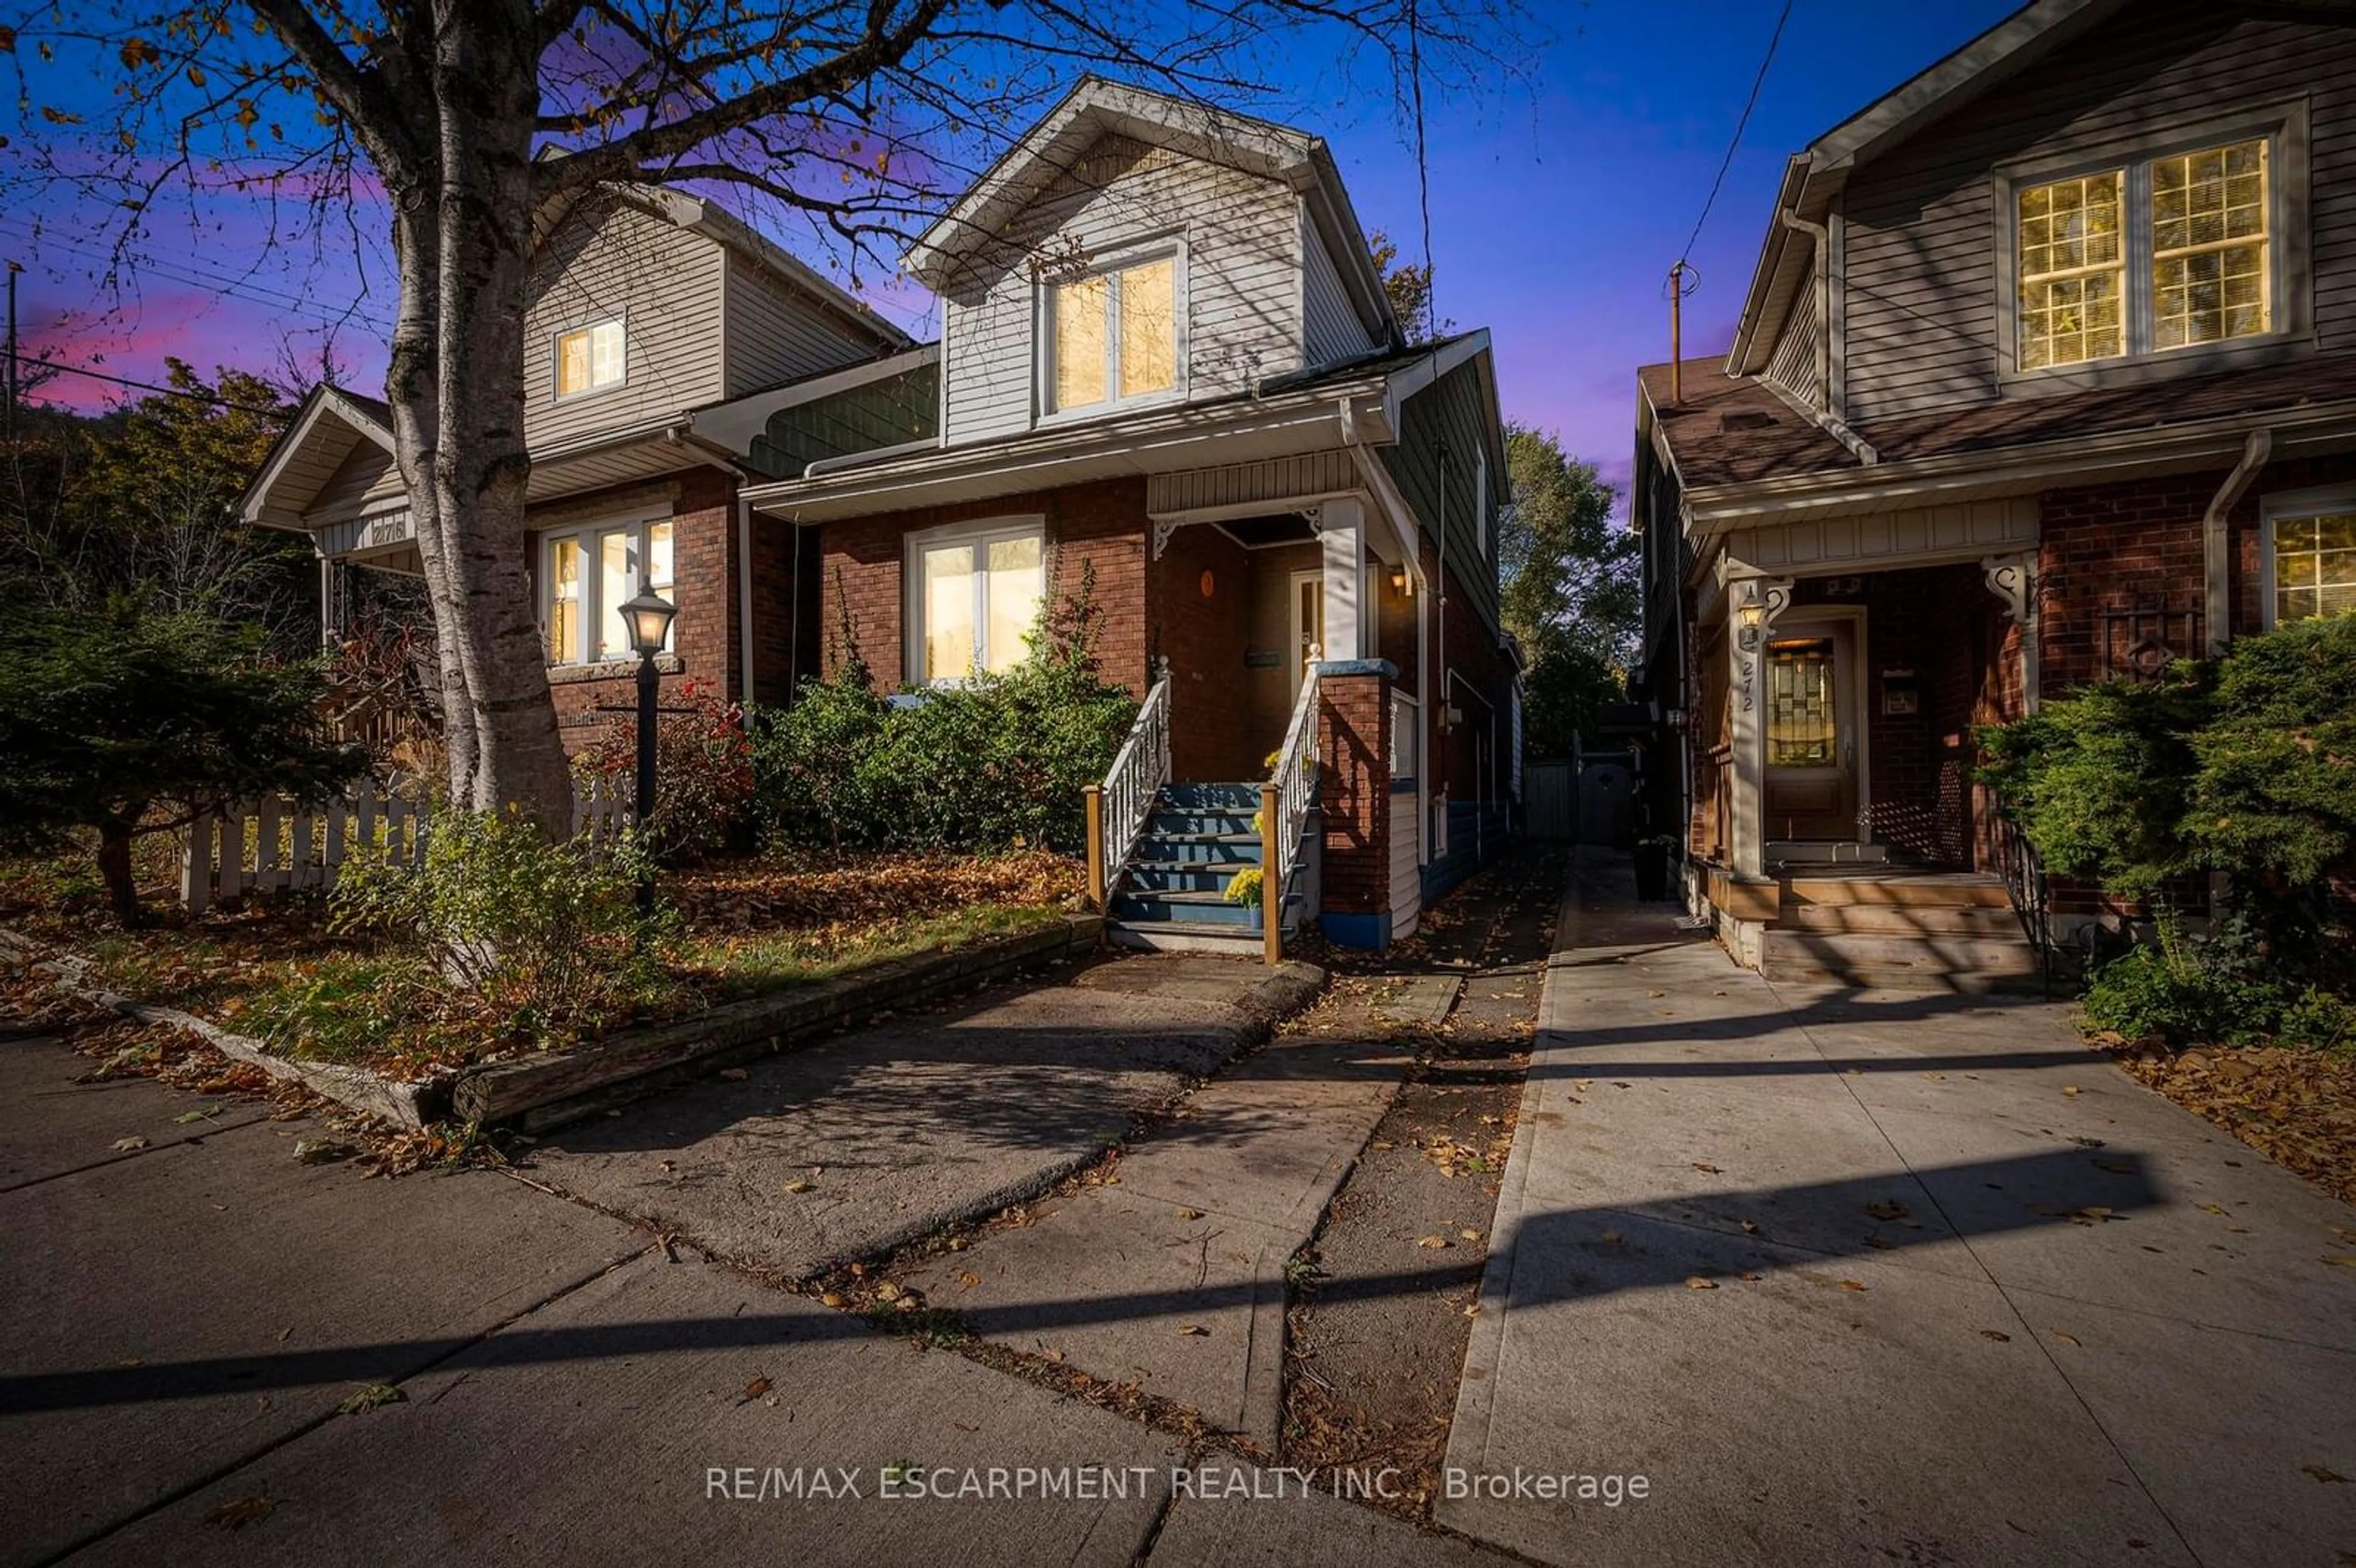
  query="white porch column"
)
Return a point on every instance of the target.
[
  {"x": 1342, "y": 531},
  {"x": 2013, "y": 579},
  {"x": 1754, "y": 602}
]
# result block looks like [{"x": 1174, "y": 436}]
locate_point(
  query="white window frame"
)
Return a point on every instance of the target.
[
  {"x": 979, "y": 536},
  {"x": 592, "y": 607},
  {"x": 2292, "y": 503},
  {"x": 556, "y": 358},
  {"x": 2289, "y": 303},
  {"x": 1172, "y": 249}
]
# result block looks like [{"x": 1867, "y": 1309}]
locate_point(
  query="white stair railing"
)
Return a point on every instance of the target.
[
  {"x": 1135, "y": 780},
  {"x": 1295, "y": 781}
]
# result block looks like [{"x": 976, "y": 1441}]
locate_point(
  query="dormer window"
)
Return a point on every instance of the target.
[
  {"x": 2167, "y": 253},
  {"x": 1112, "y": 335},
  {"x": 591, "y": 359}
]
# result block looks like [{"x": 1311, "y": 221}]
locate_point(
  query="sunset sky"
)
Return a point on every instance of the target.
[{"x": 1557, "y": 202}]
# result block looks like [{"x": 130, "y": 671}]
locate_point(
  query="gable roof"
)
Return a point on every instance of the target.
[
  {"x": 1096, "y": 108},
  {"x": 701, "y": 215},
  {"x": 326, "y": 429},
  {"x": 1816, "y": 173}
]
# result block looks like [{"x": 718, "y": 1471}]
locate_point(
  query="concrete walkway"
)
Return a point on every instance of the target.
[
  {"x": 1174, "y": 1278},
  {"x": 1854, "y": 1276}
]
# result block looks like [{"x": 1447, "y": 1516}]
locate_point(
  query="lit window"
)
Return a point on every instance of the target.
[
  {"x": 2073, "y": 272},
  {"x": 2198, "y": 268},
  {"x": 591, "y": 359},
  {"x": 1803, "y": 724},
  {"x": 1113, "y": 335},
  {"x": 975, "y": 598},
  {"x": 2209, "y": 246},
  {"x": 588, "y": 573},
  {"x": 2315, "y": 564}
]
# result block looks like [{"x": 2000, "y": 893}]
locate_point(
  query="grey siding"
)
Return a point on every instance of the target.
[
  {"x": 1921, "y": 227},
  {"x": 1452, "y": 413},
  {"x": 1795, "y": 365},
  {"x": 775, "y": 333},
  {"x": 886, "y": 411},
  {"x": 1242, "y": 288},
  {"x": 614, "y": 259},
  {"x": 366, "y": 481},
  {"x": 1330, "y": 322}
]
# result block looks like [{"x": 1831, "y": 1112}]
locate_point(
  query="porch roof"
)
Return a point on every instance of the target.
[{"x": 1737, "y": 442}]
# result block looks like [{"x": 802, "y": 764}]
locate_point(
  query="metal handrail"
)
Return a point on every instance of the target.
[
  {"x": 1295, "y": 781},
  {"x": 2017, "y": 862},
  {"x": 1134, "y": 782}
]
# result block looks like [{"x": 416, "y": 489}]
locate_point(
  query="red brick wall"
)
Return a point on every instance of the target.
[
  {"x": 703, "y": 638},
  {"x": 1102, "y": 524},
  {"x": 1354, "y": 792}
]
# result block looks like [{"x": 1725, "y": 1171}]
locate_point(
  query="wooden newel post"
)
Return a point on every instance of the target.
[
  {"x": 1094, "y": 796},
  {"x": 1271, "y": 891}
]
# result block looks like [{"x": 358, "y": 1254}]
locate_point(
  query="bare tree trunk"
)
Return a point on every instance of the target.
[
  {"x": 487, "y": 83},
  {"x": 115, "y": 871}
]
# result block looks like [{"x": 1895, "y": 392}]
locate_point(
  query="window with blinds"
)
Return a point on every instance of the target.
[{"x": 2315, "y": 564}]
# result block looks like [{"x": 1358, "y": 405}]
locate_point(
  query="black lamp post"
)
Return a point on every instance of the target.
[{"x": 647, "y": 616}]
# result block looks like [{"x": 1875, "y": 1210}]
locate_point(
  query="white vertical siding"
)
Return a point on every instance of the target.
[
  {"x": 665, "y": 280},
  {"x": 1329, "y": 321},
  {"x": 1407, "y": 863},
  {"x": 776, "y": 334},
  {"x": 1794, "y": 365},
  {"x": 1242, "y": 286}
]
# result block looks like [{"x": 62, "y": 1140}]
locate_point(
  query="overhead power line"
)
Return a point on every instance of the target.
[
  {"x": 212, "y": 398},
  {"x": 195, "y": 275},
  {"x": 1740, "y": 125}
]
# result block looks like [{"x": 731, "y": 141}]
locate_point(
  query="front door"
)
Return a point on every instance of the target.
[{"x": 1812, "y": 729}]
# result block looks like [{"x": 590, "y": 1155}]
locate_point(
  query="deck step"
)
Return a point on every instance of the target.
[
  {"x": 1206, "y": 848},
  {"x": 1933, "y": 890},
  {"x": 1200, "y": 907},
  {"x": 1184, "y": 936},
  {"x": 1243, "y": 797},
  {"x": 1902, "y": 919},
  {"x": 1946, "y": 962},
  {"x": 1184, "y": 875}
]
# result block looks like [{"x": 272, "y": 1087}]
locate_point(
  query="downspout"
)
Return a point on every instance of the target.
[
  {"x": 1834, "y": 426},
  {"x": 744, "y": 598},
  {"x": 2216, "y": 552}
]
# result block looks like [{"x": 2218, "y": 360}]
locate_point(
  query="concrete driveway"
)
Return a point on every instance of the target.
[{"x": 1859, "y": 1276}]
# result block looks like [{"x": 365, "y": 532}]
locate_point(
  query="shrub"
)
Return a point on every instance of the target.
[
  {"x": 703, "y": 775},
  {"x": 129, "y": 724},
  {"x": 998, "y": 761},
  {"x": 544, "y": 939}
]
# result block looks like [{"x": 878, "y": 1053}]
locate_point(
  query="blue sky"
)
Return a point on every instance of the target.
[{"x": 1557, "y": 202}]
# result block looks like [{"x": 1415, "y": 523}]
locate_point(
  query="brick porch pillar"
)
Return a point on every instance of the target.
[{"x": 1354, "y": 796}]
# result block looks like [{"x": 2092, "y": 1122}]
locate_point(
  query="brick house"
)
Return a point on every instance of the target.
[
  {"x": 661, "y": 336},
  {"x": 2046, "y": 375},
  {"x": 1167, "y": 363}
]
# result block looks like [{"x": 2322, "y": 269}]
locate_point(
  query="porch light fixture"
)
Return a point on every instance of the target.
[
  {"x": 647, "y": 616},
  {"x": 1401, "y": 584}
]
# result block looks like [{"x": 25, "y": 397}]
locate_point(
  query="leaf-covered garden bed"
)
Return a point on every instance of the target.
[
  {"x": 280, "y": 970},
  {"x": 2294, "y": 1104}
]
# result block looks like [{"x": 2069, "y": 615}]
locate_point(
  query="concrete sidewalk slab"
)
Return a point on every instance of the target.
[
  {"x": 1174, "y": 1277},
  {"x": 592, "y": 1433},
  {"x": 51, "y": 1126},
  {"x": 2078, "y": 1324},
  {"x": 896, "y": 1130},
  {"x": 1258, "y": 1529},
  {"x": 170, "y": 1315}
]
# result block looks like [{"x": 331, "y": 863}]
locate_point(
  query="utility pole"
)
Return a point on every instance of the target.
[
  {"x": 14, "y": 268},
  {"x": 1678, "y": 291}
]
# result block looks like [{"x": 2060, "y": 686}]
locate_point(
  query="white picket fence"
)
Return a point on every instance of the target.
[{"x": 274, "y": 844}]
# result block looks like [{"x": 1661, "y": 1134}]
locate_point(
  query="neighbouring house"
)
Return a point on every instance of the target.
[
  {"x": 2046, "y": 376},
  {"x": 661, "y": 336},
  {"x": 1167, "y": 366}
]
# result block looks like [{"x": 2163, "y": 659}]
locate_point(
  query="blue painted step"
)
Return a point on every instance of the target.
[
  {"x": 1182, "y": 876},
  {"x": 1218, "y": 850},
  {"x": 1195, "y": 908},
  {"x": 1243, "y": 797}
]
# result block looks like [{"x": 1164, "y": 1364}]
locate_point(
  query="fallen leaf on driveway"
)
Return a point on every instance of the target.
[
  {"x": 1998, "y": 1334},
  {"x": 966, "y": 1279},
  {"x": 734, "y": 1074},
  {"x": 1470, "y": 1235},
  {"x": 2067, "y": 1338},
  {"x": 2212, "y": 1208},
  {"x": 1656, "y": 993},
  {"x": 1194, "y": 1331},
  {"x": 1852, "y": 1285},
  {"x": 238, "y": 1512},
  {"x": 127, "y": 1146},
  {"x": 1433, "y": 1243},
  {"x": 757, "y": 1387},
  {"x": 1707, "y": 1169},
  {"x": 1696, "y": 1282},
  {"x": 798, "y": 1185},
  {"x": 1189, "y": 1213},
  {"x": 2341, "y": 1260},
  {"x": 1887, "y": 1209},
  {"x": 830, "y": 1298},
  {"x": 1610, "y": 1238},
  {"x": 1750, "y": 1227},
  {"x": 2071, "y": 1090},
  {"x": 367, "y": 1397},
  {"x": 2321, "y": 1474},
  {"x": 888, "y": 1291}
]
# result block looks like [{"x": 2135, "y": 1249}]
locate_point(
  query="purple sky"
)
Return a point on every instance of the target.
[{"x": 1557, "y": 204}]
